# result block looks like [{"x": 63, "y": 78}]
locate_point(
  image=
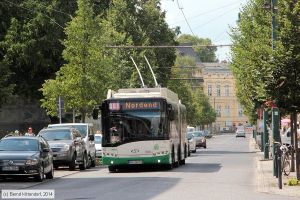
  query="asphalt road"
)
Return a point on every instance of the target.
[{"x": 225, "y": 170}]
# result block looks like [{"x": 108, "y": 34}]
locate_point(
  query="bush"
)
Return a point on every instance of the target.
[{"x": 293, "y": 182}]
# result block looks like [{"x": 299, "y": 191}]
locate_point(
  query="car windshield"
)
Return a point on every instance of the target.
[
  {"x": 98, "y": 139},
  {"x": 19, "y": 145},
  {"x": 56, "y": 134},
  {"x": 198, "y": 133},
  {"x": 190, "y": 135},
  {"x": 82, "y": 128}
]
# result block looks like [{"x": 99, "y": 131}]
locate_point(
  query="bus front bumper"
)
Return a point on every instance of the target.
[{"x": 160, "y": 160}]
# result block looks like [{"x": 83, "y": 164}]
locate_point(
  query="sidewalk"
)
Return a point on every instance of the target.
[{"x": 268, "y": 183}]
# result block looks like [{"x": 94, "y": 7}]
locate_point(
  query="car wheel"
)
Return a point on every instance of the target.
[
  {"x": 93, "y": 162},
  {"x": 195, "y": 151},
  {"x": 40, "y": 176},
  {"x": 50, "y": 174},
  {"x": 83, "y": 166},
  {"x": 204, "y": 147},
  {"x": 72, "y": 164}
]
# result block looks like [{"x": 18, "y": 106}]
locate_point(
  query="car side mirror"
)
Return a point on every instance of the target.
[{"x": 91, "y": 137}]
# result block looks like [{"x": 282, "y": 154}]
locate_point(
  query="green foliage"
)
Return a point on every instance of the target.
[
  {"x": 293, "y": 182},
  {"x": 264, "y": 73},
  {"x": 83, "y": 80},
  {"x": 30, "y": 47},
  {"x": 205, "y": 54},
  {"x": 142, "y": 23},
  {"x": 199, "y": 111}
]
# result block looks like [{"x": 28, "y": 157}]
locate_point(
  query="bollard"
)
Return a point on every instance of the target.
[{"x": 279, "y": 170}]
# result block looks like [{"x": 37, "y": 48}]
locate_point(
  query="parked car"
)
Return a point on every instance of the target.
[
  {"x": 68, "y": 147},
  {"x": 240, "y": 131},
  {"x": 192, "y": 142},
  {"x": 207, "y": 134},
  {"x": 98, "y": 145},
  {"x": 200, "y": 139},
  {"x": 87, "y": 132},
  {"x": 26, "y": 156}
]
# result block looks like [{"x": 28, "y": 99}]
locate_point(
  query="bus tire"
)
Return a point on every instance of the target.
[
  {"x": 112, "y": 169},
  {"x": 185, "y": 151}
]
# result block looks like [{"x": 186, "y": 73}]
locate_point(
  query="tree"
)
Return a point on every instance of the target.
[
  {"x": 30, "y": 47},
  {"x": 251, "y": 54},
  {"x": 142, "y": 23},
  {"x": 83, "y": 80},
  {"x": 205, "y": 54},
  {"x": 199, "y": 111}
]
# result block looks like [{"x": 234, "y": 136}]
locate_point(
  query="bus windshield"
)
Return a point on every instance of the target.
[{"x": 134, "y": 125}]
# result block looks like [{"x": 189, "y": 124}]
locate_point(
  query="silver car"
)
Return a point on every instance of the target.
[
  {"x": 192, "y": 142},
  {"x": 68, "y": 147}
]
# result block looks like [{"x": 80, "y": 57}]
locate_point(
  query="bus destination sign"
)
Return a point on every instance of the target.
[{"x": 134, "y": 105}]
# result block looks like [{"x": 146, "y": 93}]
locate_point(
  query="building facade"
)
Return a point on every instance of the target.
[{"x": 219, "y": 86}]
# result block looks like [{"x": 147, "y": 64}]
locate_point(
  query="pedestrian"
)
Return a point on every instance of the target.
[{"x": 29, "y": 133}]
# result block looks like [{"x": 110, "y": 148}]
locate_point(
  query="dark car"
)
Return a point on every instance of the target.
[
  {"x": 68, "y": 147},
  {"x": 26, "y": 156}
]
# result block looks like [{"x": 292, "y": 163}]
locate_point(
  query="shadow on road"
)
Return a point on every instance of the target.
[
  {"x": 114, "y": 188},
  {"x": 216, "y": 152}
]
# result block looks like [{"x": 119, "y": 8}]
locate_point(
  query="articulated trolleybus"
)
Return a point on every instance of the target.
[{"x": 143, "y": 126}]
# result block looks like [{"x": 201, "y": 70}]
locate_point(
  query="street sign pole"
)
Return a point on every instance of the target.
[{"x": 276, "y": 134}]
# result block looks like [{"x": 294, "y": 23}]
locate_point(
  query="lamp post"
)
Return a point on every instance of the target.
[{"x": 272, "y": 5}]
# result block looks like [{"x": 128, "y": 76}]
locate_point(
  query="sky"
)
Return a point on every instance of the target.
[{"x": 207, "y": 18}]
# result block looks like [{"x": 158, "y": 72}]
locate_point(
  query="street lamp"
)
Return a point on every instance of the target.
[{"x": 272, "y": 5}]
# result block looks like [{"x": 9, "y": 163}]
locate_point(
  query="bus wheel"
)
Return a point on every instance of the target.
[{"x": 112, "y": 169}]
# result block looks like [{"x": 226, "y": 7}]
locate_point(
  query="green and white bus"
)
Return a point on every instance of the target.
[{"x": 143, "y": 126}]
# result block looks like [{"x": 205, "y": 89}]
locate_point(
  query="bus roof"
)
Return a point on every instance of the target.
[{"x": 143, "y": 93}]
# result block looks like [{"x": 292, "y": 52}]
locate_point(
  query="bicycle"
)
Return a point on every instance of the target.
[{"x": 286, "y": 159}]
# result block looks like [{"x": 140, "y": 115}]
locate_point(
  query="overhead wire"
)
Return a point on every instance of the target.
[
  {"x": 181, "y": 9},
  {"x": 58, "y": 11},
  {"x": 204, "y": 13},
  {"x": 215, "y": 18},
  {"x": 34, "y": 11}
]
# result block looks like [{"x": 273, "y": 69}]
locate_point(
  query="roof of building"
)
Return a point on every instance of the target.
[{"x": 188, "y": 51}]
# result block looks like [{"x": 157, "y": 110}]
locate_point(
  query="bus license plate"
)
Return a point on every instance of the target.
[
  {"x": 135, "y": 162},
  {"x": 10, "y": 168}
]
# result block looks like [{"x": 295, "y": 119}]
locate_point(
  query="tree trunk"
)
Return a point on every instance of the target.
[{"x": 83, "y": 116}]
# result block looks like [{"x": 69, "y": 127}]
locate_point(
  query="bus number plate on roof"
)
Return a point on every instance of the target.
[{"x": 135, "y": 162}]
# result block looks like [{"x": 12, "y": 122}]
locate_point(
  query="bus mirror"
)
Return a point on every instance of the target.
[{"x": 95, "y": 113}]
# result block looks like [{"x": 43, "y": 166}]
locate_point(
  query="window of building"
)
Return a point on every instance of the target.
[
  {"x": 227, "y": 110},
  {"x": 218, "y": 90},
  {"x": 209, "y": 90},
  {"x": 218, "y": 111},
  {"x": 227, "y": 90},
  {"x": 240, "y": 111}
]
